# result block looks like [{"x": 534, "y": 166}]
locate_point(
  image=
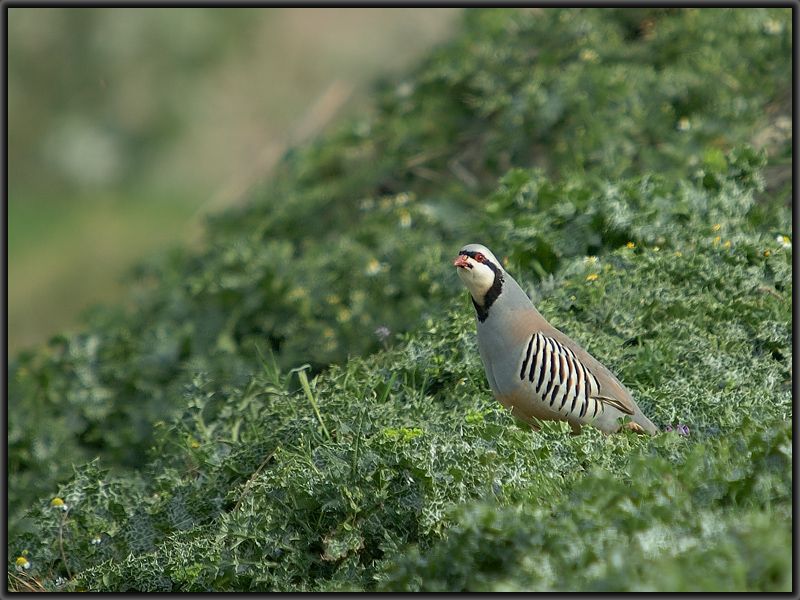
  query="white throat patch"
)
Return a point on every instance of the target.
[{"x": 478, "y": 280}]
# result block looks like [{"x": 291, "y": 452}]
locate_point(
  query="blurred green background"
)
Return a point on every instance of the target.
[{"x": 126, "y": 126}]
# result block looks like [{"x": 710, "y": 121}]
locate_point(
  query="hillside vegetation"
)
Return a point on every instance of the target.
[{"x": 301, "y": 405}]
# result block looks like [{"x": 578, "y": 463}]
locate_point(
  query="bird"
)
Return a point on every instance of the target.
[{"x": 533, "y": 369}]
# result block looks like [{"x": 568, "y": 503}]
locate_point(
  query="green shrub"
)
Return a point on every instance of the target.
[
  {"x": 650, "y": 528},
  {"x": 273, "y": 485},
  {"x": 556, "y": 138}
]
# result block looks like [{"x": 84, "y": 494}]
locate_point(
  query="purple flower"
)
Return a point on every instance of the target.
[{"x": 680, "y": 429}]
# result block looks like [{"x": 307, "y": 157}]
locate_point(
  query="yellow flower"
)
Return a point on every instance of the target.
[
  {"x": 773, "y": 27},
  {"x": 592, "y": 276},
  {"x": 716, "y": 227},
  {"x": 717, "y": 239},
  {"x": 630, "y": 245},
  {"x": 373, "y": 268},
  {"x": 727, "y": 244},
  {"x": 767, "y": 252},
  {"x": 297, "y": 293},
  {"x": 22, "y": 563},
  {"x": 59, "y": 503}
]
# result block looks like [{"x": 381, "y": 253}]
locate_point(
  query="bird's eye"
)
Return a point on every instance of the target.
[{"x": 479, "y": 257}]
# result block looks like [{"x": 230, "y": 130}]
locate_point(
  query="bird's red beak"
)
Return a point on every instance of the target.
[{"x": 461, "y": 261}]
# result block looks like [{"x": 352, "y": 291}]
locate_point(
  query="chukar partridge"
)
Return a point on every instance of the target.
[{"x": 534, "y": 370}]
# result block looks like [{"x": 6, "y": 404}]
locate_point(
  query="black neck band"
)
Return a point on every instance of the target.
[{"x": 491, "y": 294}]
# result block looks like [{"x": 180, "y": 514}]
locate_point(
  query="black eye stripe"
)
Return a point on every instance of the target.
[
  {"x": 486, "y": 260},
  {"x": 473, "y": 255}
]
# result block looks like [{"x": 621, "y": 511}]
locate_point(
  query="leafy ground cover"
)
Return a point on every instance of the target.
[{"x": 301, "y": 406}]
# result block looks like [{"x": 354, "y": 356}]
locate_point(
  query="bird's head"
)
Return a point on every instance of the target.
[{"x": 481, "y": 272}]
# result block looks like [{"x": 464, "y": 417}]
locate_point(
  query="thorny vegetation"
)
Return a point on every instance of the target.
[{"x": 301, "y": 405}]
